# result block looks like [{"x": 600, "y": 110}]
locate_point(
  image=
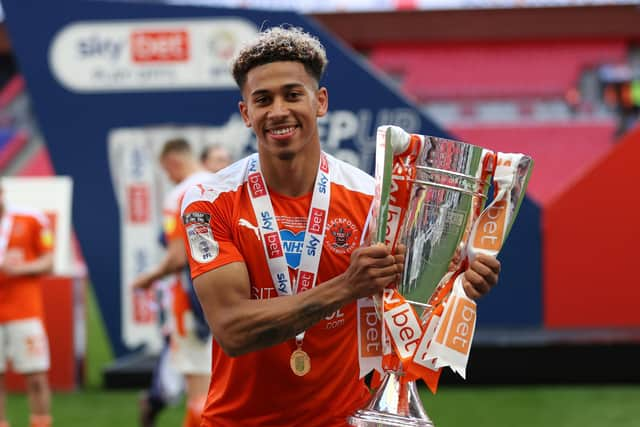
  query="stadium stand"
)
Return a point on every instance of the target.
[
  {"x": 562, "y": 151},
  {"x": 490, "y": 70}
]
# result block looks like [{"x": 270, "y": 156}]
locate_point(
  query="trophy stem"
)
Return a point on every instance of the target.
[{"x": 395, "y": 404}]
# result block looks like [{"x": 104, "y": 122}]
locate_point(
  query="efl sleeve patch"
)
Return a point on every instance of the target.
[{"x": 202, "y": 245}]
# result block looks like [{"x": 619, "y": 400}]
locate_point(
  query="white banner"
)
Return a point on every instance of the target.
[
  {"x": 140, "y": 185},
  {"x": 142, "y": 55}
]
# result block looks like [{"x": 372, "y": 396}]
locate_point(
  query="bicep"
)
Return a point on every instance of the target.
[{"x": 221, "y": 292}]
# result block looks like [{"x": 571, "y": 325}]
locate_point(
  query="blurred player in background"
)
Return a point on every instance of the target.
[
  {"x": 26, "y": 243},
  {"x": 215, "y": 157},
  {"x": 190, "y": 341}
]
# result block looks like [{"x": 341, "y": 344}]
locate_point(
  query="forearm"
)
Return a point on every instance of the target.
[
  {"x": 174, "y": 260},
  {"x": 41, "y": 265},
  {"x": 277, "y": 320},
  {"x": 165, "y": 268}
]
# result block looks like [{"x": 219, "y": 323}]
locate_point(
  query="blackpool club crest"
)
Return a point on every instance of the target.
[{"x": 342, "y": 235}]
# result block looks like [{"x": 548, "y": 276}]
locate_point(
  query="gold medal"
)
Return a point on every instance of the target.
[{"x": 300, "y": 362}]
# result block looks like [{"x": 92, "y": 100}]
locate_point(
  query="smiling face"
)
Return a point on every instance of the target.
[{"x": 282, "y": 102}]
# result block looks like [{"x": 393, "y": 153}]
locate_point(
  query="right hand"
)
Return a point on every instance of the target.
[{"x": 373, "y": 268}]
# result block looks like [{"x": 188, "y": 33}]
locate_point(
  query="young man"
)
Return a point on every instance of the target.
[
  {"x": 190, "y": 340},
  {"x": 260, "y": 236},
  {"x": 25, "y": 254}
]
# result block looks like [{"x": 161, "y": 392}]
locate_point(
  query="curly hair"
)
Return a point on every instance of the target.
[{"x": 280, "y": 44}]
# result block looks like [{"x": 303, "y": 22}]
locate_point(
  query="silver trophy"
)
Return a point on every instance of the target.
[{"x": 430, "y": 191}]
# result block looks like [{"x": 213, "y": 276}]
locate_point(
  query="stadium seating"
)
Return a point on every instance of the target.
[
  {"x": 485, "y": 70},
  {"x": 562, "y": 151}
]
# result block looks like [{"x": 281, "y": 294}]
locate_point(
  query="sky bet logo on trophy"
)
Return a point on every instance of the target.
[{"x": 430, "y": 197}]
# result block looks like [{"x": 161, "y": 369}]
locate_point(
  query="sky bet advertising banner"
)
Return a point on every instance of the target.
[{"x": 110, "y": 82}]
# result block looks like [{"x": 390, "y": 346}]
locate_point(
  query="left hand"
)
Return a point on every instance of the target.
[{"x": 481, "y": 276}]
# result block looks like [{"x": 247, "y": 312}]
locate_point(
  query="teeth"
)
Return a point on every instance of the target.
[{"x": 281, "y": 131}]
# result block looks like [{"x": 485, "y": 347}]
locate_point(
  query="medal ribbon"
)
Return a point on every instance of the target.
[{"x": 307, "y": 271}]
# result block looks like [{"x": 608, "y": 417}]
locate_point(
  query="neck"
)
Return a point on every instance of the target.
[{"x": 292, "y": 177}]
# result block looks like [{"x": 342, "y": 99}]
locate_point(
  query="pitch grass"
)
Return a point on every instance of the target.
[
  {"x": 459, "y": 406},
  {"x": 452, "y": 407}
]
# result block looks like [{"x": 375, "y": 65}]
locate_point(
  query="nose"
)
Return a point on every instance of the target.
[{"x": 279, "y": 108}]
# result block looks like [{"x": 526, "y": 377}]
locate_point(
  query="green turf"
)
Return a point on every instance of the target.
[
  {"x": 522, "y": 406},
  {"x": 99, "y": 352},
  {"x": 593, "y": 406},
  {"x": 92, "y": 408}
]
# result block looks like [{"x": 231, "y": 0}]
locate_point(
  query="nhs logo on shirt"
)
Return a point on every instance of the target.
[{"x": 292, "y": 243}]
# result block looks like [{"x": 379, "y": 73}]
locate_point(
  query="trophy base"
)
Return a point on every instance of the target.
[
  {"x": 367, "y": 418},
  {"x": 395, "y": 404}
]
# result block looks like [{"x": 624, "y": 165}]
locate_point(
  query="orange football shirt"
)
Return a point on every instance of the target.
[
  {"x": 259, "y": 388},
  {"x": 29, "y": 238}
]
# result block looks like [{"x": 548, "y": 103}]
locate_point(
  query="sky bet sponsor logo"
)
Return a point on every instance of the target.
[
  {"x": 274, "y": 248},
  {"x": 313, "y": 247},
  {"x": 147, "y": 54},
  {"x": 256, "y": 185},
  {"x": 253, "y": 165},
  {"x": 324, "y": 165},
  {"x": 96, "y": 46},
  {"x": 316, "y": 225},
  {"x": 322, "y": 183},
  {"x": 267, "y": 221},
  {"x": 160, "y": 46},
  {"x": 306, "y": 281},
  {"x": 281, "y": 282}
]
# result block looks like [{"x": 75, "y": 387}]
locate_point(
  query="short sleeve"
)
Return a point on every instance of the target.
[{"x": 208, "y": 235}]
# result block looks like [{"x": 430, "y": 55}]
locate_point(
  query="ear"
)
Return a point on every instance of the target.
[
  {"x": 322, "y": 95},
  {"x": 244, "y": 113}
]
